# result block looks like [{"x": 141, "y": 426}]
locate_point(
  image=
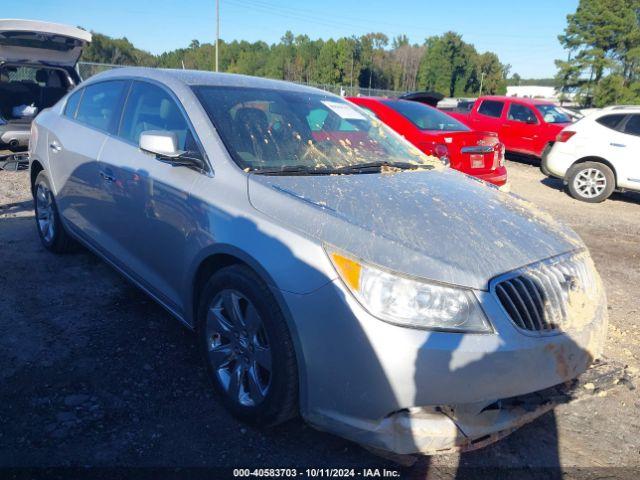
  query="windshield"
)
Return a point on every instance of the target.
[
  {"x": 553, "y": 114},
  {"x": 425, "y": 117},
  {"x": 266, "y": 130}
]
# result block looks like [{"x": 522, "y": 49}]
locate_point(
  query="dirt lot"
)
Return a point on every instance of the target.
[{"x": 92, "y": 372}]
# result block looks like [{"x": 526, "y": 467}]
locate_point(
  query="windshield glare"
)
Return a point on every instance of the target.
[
  {"x": 552, "y": 114},
  {"x": 426, "y": 118},
  {"x": 273, "y": 129}
]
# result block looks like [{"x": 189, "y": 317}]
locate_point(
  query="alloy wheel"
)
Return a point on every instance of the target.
[
  {"x": 590, "y": 182},
  {"x": 45, "y": 212},
  {"x": 238, "y": 348}
]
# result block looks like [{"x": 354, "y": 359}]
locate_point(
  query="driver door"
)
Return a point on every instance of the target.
[
  {"x": 150, "y": 210},
  {"x": 523, "y": 127}
]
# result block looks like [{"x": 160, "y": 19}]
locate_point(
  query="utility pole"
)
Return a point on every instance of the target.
[
  {"x": 217, "y": 30},
  {"x": 481, "y": 81},
  {"x": 352, "y": 55}
]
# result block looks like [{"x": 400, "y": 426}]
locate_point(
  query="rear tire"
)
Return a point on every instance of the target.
[
  {"x": 245, "y": 342},
  {"x": 50, "y": 229},
  {"x": 591, "y": 182}
]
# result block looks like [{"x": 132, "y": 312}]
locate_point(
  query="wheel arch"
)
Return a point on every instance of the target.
[
  {"x": 34, "y": 169},
  {"x": 224, "y": 255}
]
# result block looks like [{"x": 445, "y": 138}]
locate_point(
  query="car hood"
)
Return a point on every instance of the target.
[
  {"x": 438, "y": 224},
  {"x": 29, "y": 41}
]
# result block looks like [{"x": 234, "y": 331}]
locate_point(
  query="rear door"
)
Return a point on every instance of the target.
[
  {"x": 521, "y": 128},
  {"x": 74, "y": 145},
  {"x": 149, "y": 212},
  {"x": 628, "y": 144},
  {"x": 488, "y": 115}
]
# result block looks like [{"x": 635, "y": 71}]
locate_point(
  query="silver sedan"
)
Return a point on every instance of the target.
[{"x": 328, "y": 267}]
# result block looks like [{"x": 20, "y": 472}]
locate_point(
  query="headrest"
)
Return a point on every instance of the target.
[
  {"x": 165, "y": 108},
  {"x": 252, "y": 117},
  {"x": 42, "y": 76}
]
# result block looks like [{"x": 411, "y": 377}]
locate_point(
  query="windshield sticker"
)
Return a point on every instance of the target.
[{"x": 343, "y": 110}]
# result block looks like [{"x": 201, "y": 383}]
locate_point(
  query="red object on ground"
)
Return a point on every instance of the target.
[{"x": 435, "y": 133}]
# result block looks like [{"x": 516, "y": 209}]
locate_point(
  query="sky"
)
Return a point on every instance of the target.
[{"x": 523, "y": 34}]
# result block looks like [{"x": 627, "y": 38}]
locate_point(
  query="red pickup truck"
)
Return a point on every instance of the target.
[{"x": 526, "y": 126}]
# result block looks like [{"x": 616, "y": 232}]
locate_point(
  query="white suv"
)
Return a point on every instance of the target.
[{"x": 598, "y": 154}]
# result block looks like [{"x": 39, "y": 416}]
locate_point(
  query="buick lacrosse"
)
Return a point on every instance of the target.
[{"x": 328, "y": 267}]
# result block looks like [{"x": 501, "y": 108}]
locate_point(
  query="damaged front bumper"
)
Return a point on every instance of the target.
[{"x": 446, "y": 429}]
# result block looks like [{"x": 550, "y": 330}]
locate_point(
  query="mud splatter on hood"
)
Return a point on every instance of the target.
[{"x": 437, "y": 225}]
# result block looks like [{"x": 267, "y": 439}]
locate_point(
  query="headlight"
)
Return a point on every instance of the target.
[{"x": 408, "y": 302}]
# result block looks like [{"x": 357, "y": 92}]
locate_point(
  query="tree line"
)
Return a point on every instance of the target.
[
  {"x": 445, "y": 63},
  {"x": 603, "y": 42}
]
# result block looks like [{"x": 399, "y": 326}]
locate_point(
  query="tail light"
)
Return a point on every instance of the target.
[
  {"x": 565, "y": 135},
  {"x": 442, "y": 152},
  {"x": 439, "y": 150},
  {"x": 33, "y": 138},
  {"x": 499, "y": 154}
]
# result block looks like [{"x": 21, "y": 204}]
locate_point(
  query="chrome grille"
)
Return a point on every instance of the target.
[{"x": 538, "y": 298}]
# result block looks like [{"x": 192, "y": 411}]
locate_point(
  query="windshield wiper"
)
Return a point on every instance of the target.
[
  {"x": 375, "y": 167},
  {"x": 292, "y": 170}
]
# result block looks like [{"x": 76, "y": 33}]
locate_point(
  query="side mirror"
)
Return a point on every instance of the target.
[
  {"x": 161, "y": 143},
  {"x": 164, "y": 145}
]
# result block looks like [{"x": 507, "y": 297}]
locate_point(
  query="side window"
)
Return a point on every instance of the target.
[
  {"x": 491, "y": 108},
  {"x": 71, "y": 107},
  {"x": 611, "y": 121},
  {"x": 520, "y": 113},
  {"x": 100, "y": 104},
  {"x": 150, "y": 107},
  {"x": 633, "y": 125}
]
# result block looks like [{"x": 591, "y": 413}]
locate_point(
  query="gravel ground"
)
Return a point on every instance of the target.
[{"x": 94, "y": 373}]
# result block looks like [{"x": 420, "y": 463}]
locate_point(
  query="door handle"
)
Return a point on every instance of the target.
[
  {"x": 55, "y": 146},
  {"x": 107, "y": 177},
  {"x": 617, "y": 144}
]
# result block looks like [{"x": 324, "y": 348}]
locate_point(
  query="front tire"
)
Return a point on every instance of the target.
[
  {"x": 50, "y": 229},
  {"x": 247, "y": 347},
  {"x": 591, "y": 182}
]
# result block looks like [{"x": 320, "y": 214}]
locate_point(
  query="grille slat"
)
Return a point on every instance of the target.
[
  {"x": 536, "y": 320},
  {"x": 524, "y": 308},
  {"x": 537, "y": 298},
  {"x": 508, "y": 304}
]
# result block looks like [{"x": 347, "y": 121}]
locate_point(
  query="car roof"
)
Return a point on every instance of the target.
[
  {"x": 199, "y": 77},
  {"x": 385, "y": 99},
  {"x": 524, "y": 100},
  {"x": 621, "y": 109}
]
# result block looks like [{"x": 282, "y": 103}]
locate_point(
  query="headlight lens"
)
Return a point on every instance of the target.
[{"x": 409, "y": 302}]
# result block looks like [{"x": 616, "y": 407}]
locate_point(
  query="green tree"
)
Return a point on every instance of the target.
[
  {"x": 454, "y": 68},
  {"x": 444, "y": 63},
  {"x": 120, "y": 51},
  {"x": 493, "y": 74},
  {"x": 603, "y": 39}
]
